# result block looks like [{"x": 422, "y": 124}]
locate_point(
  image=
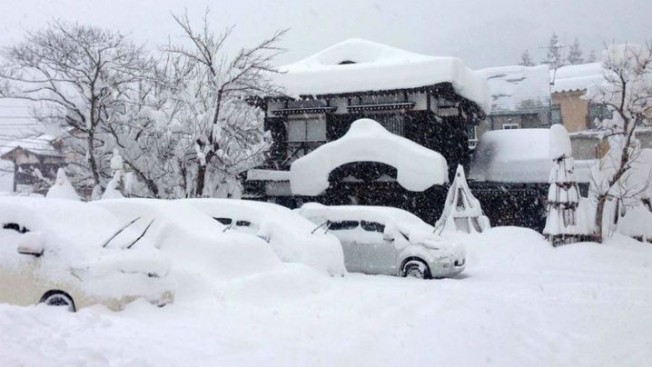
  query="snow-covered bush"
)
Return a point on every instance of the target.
[
  {"x": 563, "y": 225},
  {"x": 462, "y": 211},
  {"x": 62, "y": 188}
]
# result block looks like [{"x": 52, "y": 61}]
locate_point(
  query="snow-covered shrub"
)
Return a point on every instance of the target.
[
  {"x": 62, "y": 188},
  {"x": 462, "y": 211}
]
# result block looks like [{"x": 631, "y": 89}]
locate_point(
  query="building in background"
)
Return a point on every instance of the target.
[{"x": 35, "y": 162}]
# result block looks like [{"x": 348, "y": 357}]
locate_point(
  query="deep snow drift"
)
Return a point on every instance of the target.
[{"x": 520, "y": 302}]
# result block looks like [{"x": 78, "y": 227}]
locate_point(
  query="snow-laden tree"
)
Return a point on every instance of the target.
[
  {"x": 575, "y": 53},
  {"x": 62, "y": 188},
  {"x": 562, "y": 222},
  {"x": 83, "y": 77},
  {"x": 627, "y": 92},
  {"x": 553, "y": 55},
  {"x": 526, "y": 59},
  {"x": 592, "y": 57},
  {"x": 462, "y": 211},
  {"x": 223, "y": 133}
]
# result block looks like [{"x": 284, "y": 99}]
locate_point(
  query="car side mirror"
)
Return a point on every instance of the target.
[
  {"x": 389, "y": 236},
  {"x": 31, "y": 244}
]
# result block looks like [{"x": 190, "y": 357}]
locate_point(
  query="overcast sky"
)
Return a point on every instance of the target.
[{"x": 481, "y": 32}]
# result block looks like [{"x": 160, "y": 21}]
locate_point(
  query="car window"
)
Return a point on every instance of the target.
[
  {"x": 225, "y": 221},
  {"x": 16, "y": 227},
  {"x": 372, "y": 226},
  {"x": 243, "y": 223},
  {"x": 343, "y": 225}
]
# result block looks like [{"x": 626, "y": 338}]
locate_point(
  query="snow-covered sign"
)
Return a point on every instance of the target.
[
  {"x": 518, "y": 88},
  {"x": 418, "y": 168},
  {"x": 358, "y": 65},
  {"x": 576, "y": 77},
  {"x": 462, "y": 211}
]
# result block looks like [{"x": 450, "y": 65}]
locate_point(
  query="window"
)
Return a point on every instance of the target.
[
  {"x": 597, "y": 112},
  {"x": 307, "y": 130},
  {"x": 472, "y": 135},
  {"x": 343, "y": 225},
  {"x": 392, "y": 122},
  {"x": 510, "y": 126},
  {"x": 225, "y": 221},
  {"x": 372, "y": 226},
  {"x": 555, "y": 115}
]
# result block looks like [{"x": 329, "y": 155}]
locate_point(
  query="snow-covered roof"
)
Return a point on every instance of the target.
[
  {"x": 418, "y": 168},
  {"x": 40, "y": 145},
  {"x": 516, "y": 155},
  {"x": 358, "y": 65},
  {"x": 576, "y": 77},
  {"x": 518, "y": 88}
]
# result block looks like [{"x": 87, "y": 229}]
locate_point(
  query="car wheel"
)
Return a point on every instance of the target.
[
  {"x": 58, "y": 299},
  {"x": 416, "y": 269}
]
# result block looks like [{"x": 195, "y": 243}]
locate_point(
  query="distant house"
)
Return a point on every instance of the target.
[
  {"x": 520, "y": 98},
  {"x": 35, "y": 160},
  {"x": 569, "y": 88},
  {"x": 432, "y": 101}
]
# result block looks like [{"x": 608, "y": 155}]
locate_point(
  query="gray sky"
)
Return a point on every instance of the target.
[{"x": 481, "y": 32}]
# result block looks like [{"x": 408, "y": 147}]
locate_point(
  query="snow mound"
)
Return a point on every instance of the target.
[
  {"x": 418, "y": 168},
  {"x": 637, "y": 222},
  {"x": 560, "y": 144},
  {"x": 62, "y": 188},
  {"x": 358, "y": 65},
  {"x": 462, "y": 211},
  {"x": 292, "y": 237}
]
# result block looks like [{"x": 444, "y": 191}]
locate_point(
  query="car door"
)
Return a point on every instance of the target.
[
  {"x": 377, "y": 255},
  {"x": 347, "y": 232}
]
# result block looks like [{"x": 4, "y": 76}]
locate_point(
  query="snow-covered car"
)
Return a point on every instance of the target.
[
  {"x": 70, "y": 254},
  {"x": 293, "y": 238},
  {"x": 384, "y": 240},
  {"x": 203, "y": 252}
]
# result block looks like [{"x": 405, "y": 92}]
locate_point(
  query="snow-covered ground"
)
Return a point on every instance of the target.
[{"x": 519, "y": 303}]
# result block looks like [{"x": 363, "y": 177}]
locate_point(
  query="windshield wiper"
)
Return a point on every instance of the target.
[
  {"x": 106, "y": 243},
  {"x": 327, "y": 223},
  {"x": 141, "y": 235}
]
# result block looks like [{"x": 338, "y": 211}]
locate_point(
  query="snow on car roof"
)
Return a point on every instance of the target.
[
  {"x": 518, "y": 87},
  {"x": 418, "y": 168},
  {"x": 357, "y": 65},
  {"x": 380, "y": 214}
]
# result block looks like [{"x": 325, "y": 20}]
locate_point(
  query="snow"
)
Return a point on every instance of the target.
[
  {"x": 637, "y": 222},
  {"x": 560, "y": 144},
  {"x": 517, "y": 88},
  {"x": 267, "y": 175},
  {"x": 576, "y": 77},
  {"x": 519, "y": 303},
  {"x": 377, "y": 67},
  {"x": 418, "y": 168},
  {"x": 62, "y": 188},
  {"x": 112, "y": 190},
  {"x": 292, "y": 237},
  {"x": 518, "y": 155}
]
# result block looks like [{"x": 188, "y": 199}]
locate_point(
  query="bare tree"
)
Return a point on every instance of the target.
[
  {"x": 226, "y": 133},
  {"x": 627, "y": 91},
  {"x": 83, "y": 75},
  {"x": 526, "y": 59}
]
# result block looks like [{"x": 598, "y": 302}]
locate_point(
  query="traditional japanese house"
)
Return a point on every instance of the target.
[
  {"x": 36, "y": 161},
  {"x": 432, "y": 101}
]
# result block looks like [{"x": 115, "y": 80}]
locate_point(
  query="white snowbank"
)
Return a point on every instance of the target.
[
  {"x": 560, "y": 144},
  {"x": 62, "y": 188},
  {"x": 376, "y": 67},
  {"x": 518, "y": 87},
  {"x": 418, "y": 168},
  {"x": 520, "y": 302},
  {"x": 637, "y": 222},
  {"x": 292, "y": 237}
]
